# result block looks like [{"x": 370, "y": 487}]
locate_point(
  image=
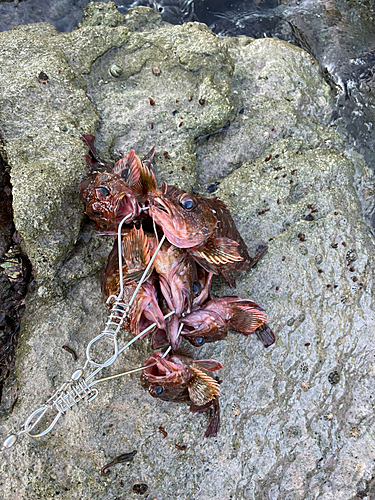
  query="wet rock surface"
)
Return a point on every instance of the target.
[{"x": 297, "y": 418}]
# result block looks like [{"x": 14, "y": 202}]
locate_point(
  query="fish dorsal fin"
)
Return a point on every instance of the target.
[
  {"x": 136, "y": 253},
  {"x": 202, "y": 388},
  {"x": 148, "y": 158},
  {"x": 129, "y": 168},
  {"x": 148, "y": 182},
  {"x": 246, "y": 319},
  {"x": 218, "y": 251}
]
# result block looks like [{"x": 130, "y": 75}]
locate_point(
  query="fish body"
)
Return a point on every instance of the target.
[
  {"x": 145, "y": 310},
  {"x": 178, "y": 378},
  {"x": 204, "y": 227},
  {"x": 212, "y": 321},
  {"x": 177, "y": 274}
]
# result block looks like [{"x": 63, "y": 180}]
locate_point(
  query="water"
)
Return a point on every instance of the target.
[{"x": 340, "y": 34}]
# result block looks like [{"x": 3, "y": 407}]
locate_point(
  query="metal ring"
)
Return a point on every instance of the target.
[{"x": 42, "y": 410}]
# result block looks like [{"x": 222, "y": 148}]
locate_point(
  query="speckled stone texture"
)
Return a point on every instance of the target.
[{"x": 296, "y": 419}]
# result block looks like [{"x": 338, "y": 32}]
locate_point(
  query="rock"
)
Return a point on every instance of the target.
[
  {"x": 40, "y": 126},
  {"x": 279, "y": 93},
  {"x": 286, "y": 432}
]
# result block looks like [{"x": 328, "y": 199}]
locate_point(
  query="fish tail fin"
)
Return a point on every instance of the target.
[
  {"x": 228, "y": 275},
  {"x": 214, "y": 423},
  {"x": 260, "y": 251},
  {"x": 266, "y": 335},
  {"x": 93, "y": 160},
  {"x": 246, "y": 319}
]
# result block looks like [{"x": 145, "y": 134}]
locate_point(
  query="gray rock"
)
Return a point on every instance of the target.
[
  {"x": 40, "y": 126},
  {"x": 279, "y": 93},
  {"x": 287, "y": 431}
]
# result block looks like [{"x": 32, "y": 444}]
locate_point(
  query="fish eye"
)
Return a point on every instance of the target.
[
  {"x": 103, "y": 191},
  {"x": 159, "y": 390},
  {"x": 196, "y": 287},
  {"x": 95, "y": 213},
  {"x": 188, "y": 202},
  {"x": 200, "y": 340}
]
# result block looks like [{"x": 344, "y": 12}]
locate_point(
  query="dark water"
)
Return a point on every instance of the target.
[{"x": 340, "y": 34}]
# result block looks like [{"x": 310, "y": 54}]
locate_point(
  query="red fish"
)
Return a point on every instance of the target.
[
  {"x": 145, "y": 309},
  {"x": 112, "y": 192},
  {"x": 179, "y": 378},
  {"x": 204, "y": 227},
  {"x": 108, "y": 199},
  {"x": 201, "y": 287},
  {"x": 211, "y": 322}
]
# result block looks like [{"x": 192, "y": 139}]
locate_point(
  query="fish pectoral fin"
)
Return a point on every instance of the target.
[
  {"x": 218, "y": 251},
  {"x": 266, "y": 335},
  {"x": 207, "y": 266},
  {"x": 209, "y": 364},
  {"x": 246, "y": 319},
  {"x": 202, "y": 388}
]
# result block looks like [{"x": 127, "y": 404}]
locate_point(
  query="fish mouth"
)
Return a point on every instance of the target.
[
  {"x": 126, "y": 204},
  {"x": 163, "y": 206},
  {"x": 157, "y": 367},
  {"x": 173, "y": 225}
]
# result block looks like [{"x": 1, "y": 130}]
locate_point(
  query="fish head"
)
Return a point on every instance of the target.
[
  {"x": 180, "y": 378},
  {"x": 166, "y": 378},
  {"x": 201, "y": 287},
  {"x": 177, "y": 275},
  {"x": 145, "y": 310},
  {"x": 108, "y": 199},
  {"x": 203, "y": 326},
  {"x": 186, "y": 219}
]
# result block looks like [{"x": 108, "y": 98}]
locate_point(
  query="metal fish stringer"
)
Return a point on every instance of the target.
[{"x": 78, "y": 388}]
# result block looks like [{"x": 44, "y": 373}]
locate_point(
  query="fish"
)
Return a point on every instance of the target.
[
  {"x": 204, "y": 227},
  {"x": 181, "y": 379},
  {"x": 177, "y": 273},
  {"x": 201, "y": 287},
  {"x": 112, "y": 192},
  {"x": 145, "y": 310},
  {"x": 108, "y": 200},
  {"x": 211, "y": 322}
]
